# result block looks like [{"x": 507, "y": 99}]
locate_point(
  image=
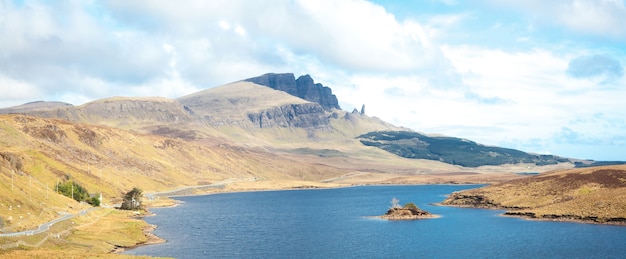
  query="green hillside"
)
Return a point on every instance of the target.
[{"x": 451, "y": 150}]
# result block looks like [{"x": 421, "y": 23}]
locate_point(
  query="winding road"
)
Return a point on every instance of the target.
[{"x": 46, "y": 226}]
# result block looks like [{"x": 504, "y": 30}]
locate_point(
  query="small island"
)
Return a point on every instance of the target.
[{"x": 409, "y": 211}]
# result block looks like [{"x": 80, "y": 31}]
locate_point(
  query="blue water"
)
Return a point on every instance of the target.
[{"x": 332, "y": 223}]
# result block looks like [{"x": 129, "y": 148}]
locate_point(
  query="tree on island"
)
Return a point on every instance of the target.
[
  {"x": 132, "y": 200},
  {"x": 395, "y": 203}
]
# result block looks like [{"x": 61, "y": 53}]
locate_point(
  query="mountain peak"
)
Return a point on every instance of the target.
[{"x": 304, "y": 87}]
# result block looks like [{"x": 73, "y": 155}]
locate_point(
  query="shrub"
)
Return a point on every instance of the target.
[
  {"x": 73, "y": 190},
  {"x": 411, "y": 206},
  {"x": 132, "y": 200},
  {"x": 94, "y": 201}
]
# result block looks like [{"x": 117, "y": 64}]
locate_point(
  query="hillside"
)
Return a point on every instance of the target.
[
  {"x": 596, "y": 194},
  {"x": 451, "y": 150},
  {"x": 34, "y": 106},
  {"x": 37, "y": 153},
  {"x": 247, "y": 105}
]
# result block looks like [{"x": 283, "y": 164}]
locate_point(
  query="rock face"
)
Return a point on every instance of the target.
[
  {"x": 470, "y": 200},
  {"x": 304, "y": 87},
  {"x": 307, "y": 115},
  {"x": 406, "y": 214}
]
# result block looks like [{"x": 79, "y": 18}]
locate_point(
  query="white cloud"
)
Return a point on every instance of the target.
[
  {"x": 542, "y": 100},
  {"x": 594, "y": 17},
  {"x": 518, "y": 94},
  {"x": 14, "y": 91}
]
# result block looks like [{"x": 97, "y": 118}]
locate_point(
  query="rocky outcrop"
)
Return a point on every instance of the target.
[
  {"x": 304, "y": 87},
  {"x": 469, "y": 200},
  {"x": 307, "y": 115},
  {"x": 282, "y": 82},
  {"x": 407, "y": 214}
]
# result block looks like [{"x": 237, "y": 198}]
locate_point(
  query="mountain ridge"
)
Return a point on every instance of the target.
[
  {"x": 303, "y": 87},
  {"x": 267, "y": 111}
]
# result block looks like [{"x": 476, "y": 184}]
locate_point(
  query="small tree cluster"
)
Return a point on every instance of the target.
[
  {"x": 132, "y": 200},
  {"x": 77, "y": 192}
]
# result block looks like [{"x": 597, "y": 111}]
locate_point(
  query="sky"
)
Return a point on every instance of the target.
[{"x": 539, "y": 76}]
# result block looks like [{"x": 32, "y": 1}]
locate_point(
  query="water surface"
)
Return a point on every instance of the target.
[{"x": 333, "y": 223}]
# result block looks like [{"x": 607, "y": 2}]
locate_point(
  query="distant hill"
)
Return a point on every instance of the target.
[
  {"x": 34, "y": 106},
  {"x": 596, "y": 194},
  {"x": 279, "y": 113},
  {"x": 451, "y": 150}
]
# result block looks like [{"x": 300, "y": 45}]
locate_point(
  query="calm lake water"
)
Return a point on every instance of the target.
[{"x": 333, "y": 223}]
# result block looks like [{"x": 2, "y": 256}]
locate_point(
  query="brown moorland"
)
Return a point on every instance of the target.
[{"x": 595, "y": 195}]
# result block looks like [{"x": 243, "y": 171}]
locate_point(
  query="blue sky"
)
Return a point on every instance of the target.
[{"x": 540, "y": 76}]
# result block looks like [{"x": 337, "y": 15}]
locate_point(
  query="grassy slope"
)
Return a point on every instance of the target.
[
  {"x": 590, "y": 194},
  {"x": 112, "y": 161},
  {"x": 36, "y": 153},
  {"x": 237, "y": 99},
  {"x": 93, "y": 235}
]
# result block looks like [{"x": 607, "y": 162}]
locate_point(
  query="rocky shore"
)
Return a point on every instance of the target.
[
  {"x": 468, "y": 200},
  {"x": 407, "y": 214}
]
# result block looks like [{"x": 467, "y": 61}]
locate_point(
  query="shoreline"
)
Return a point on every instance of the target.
[
  {"x": 562, "y": 218},
  {"x": 151, "y": 238},
  {"x": 556, "y": 218}
]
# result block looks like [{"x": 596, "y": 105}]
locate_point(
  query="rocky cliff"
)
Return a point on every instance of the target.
[
  {"x": 304, "y": 87},
  {"x": 307, "y": 115}
]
